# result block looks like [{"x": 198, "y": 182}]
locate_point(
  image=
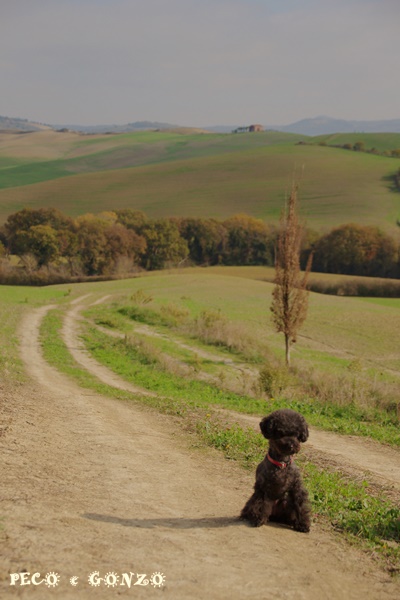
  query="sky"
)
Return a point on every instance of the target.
[{"x": 199, "y": 62}]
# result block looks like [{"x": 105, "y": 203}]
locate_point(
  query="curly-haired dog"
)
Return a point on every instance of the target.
[{"x": 279, "y": 494}]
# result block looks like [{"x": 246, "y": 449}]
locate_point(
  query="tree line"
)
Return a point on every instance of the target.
[
  {"x": 114, "y": 243},
  {"x": 356, "y": 147}
]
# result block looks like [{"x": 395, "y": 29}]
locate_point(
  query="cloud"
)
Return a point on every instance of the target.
[{"x": 198, "y": 61}]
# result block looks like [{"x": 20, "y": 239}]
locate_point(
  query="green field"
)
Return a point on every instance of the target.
[{"x": 196, "y": 174}]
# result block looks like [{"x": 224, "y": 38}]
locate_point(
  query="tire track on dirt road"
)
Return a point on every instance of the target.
[{"x": 82, "y": 357}]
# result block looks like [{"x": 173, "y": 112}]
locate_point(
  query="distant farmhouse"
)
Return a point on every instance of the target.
[{"x": 249, "y": 129}]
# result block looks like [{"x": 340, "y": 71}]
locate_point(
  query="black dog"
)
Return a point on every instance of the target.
[{"x": 279, "y": 494}]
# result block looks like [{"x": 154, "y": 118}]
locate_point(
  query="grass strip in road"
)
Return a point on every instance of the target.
[{"x": 143, "y": 369}]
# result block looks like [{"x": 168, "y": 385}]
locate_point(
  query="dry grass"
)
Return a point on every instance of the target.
[{"x": 38, "y": 145}]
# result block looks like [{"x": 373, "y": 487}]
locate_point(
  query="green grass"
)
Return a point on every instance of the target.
[
  {"x": 207, "y": 176},
  {"x": 35, "y": 172},
  {"x": 7, "y": 162},
  {"x": 387, "y": 302}
]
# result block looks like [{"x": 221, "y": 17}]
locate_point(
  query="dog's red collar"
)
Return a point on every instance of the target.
[{"x": 277, "y": 463}]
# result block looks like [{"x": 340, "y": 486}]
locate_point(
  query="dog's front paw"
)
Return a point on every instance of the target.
[
  {"x": 253, "y": 521},
  {"x": 258, "y": 523},
  {"x": 302, "y": 527}
]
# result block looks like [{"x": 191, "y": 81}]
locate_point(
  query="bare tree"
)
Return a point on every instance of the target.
[{"x": 290, "y": 296}]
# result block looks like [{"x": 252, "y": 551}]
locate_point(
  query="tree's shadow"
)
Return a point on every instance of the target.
[
  {"x": 172, "y": 522},
  {"x": 392, "y": 182}
]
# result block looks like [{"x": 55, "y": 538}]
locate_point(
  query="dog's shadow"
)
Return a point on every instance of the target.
[{"x": 170, "y": 522}]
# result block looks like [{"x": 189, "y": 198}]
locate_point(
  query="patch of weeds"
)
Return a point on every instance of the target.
[
  {"x": 213, "y": 328},
  {"x": 140, "y": 297},
  {"x": 175, "y": 314},
  {"x": 347, "y": 419},
  {"x": 243, "y": 445},
  {"x": 107, "y": 322},
  {"x": 353, "y": 511},
  {"x": 105, "y": 317},
  {"x": 274, "y": 379},
  {"x": 146, "y": 315}
]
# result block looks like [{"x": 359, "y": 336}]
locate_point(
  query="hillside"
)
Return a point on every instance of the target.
[
  {"x": 10, "y": 124},
  {"x": 197, "y": 174},
  {"x": 323, "y": 125}
]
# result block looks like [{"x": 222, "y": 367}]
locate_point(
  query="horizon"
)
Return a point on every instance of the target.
[{"x": 186, "y": 125}]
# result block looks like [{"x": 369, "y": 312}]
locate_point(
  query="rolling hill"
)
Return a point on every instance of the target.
[
  {"x": 198, "y": 174},
  {"x": 12, "y": 124},
  {"x": 323, "y": 125}
]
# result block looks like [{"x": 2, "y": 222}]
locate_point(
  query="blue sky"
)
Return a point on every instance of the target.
[{"x": 199, "y": 62}]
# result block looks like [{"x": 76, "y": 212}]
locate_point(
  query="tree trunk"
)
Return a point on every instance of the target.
[{"x": 287, "y": 349}]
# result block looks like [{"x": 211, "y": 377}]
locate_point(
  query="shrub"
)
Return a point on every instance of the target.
[
  {"x": 175, "y": 314},
  {"x": 274, "y": 379},
  {"x": 140, "y": 297},
  {"x": 212, "y": 327}
]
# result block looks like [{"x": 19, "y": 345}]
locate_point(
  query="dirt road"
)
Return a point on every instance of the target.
[{"x": 91, "y": 485}]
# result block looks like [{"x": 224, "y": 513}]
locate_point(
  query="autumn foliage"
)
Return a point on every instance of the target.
[
  {"x": 290, "y": 295},
  {"x": 53, "y": 247}
]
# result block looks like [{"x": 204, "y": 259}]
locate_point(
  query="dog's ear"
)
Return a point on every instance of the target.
[
  {"x": 266, "y": 427},
  {"x": 303, "y": 432}
]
